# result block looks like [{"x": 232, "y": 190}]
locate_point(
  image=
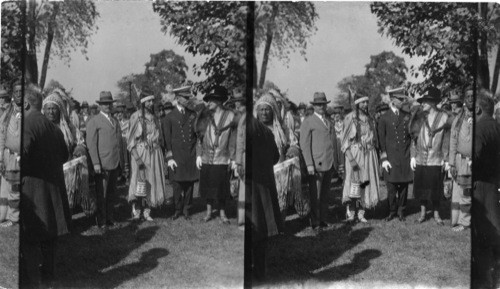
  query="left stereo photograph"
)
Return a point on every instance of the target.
[{"x": 120, "y": 161}]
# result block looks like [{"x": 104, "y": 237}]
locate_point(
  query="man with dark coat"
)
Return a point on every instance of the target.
[
  {"x": 104, "y": 140},
  {"x": 395, "y": 142},
  {"x": 179, "y": 135},
  {"x": 485, "y": 196},
  {"x": 265, "y": 214},
  {"x": 45, "y": 213}
]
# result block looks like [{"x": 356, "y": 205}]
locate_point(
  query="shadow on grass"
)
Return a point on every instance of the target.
[
  {"x": 358, "y": 264},
  {"x": 297, "y": 258},
  {"x": 95, "y": 261}
]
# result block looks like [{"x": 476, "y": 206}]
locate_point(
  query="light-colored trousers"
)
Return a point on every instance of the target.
[{"x": 460, "y": 206}]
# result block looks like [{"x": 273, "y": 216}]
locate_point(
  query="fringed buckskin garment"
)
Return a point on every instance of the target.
[
  {"x": 150, "y": 152},
  {"x": 361, "y": 145}
]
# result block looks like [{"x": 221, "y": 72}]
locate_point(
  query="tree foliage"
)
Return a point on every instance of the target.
[
  {"x": 216, "y": 30},
  {"x": 12, "y": 43},
  {"x": 163, "y": 69},
  {"x": 446, "y": 35},
  {"x": 384, "y": 70},
  {"x": 282, "y": 28},
  {"x": 61, "y": 28}
]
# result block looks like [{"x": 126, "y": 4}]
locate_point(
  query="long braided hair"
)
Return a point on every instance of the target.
[{"x": 143, "y": 121}]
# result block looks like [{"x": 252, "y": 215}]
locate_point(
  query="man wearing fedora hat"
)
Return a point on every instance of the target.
[
  {"x": 361, "y": 185},
  {"x": 240, "y": 103},
  {"x": 318, "y": 142},
  {"x": 429, "y": 152},
  {"x": 459, "y": 158},
  {"x": 395, "y": 142},
  {"x": 104, "y": 141},
  {"x": 178, "y": 129},
  {"x": 456, "y": 102}
]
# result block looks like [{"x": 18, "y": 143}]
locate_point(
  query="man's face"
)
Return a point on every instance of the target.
[
  {"x": 85, "y": 110},
  {"x": 240, "y": 106},
  {"x": 16, "y": 94},
  {"x": 182, "y": 101},
  {"x": 337, "y": 116},
  {"x": 52, "y": 112},
  {"x": 469, "y": 99},
  {"x": 320, "y": 108},
  {"x": 363, "y": 105},
  {"x": 167, "y": 111},
  {"x": 2, "y": 101},
  {"x": 397, "y": 102},
  {"x": 302, "y": 111},
  {"x": 265, "y": 114},
  {"x": 119, "y": 115},
  {"x": 149, "y": 105},
  {"x": 105, "y": 107}
]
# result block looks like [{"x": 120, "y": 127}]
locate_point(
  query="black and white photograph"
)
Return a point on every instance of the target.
[{"x": 369, "y": 158}]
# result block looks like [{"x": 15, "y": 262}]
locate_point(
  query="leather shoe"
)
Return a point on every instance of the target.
[
  {"x": 176, "y": 216},
  {"x": 390, "y": 218},
  {"x": 402, "y": 218},
  {"x": 324, "y": 225},
  {"x": 187, "y": 217}
]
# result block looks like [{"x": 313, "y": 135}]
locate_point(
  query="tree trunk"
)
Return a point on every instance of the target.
[
  {"x": 50, "y": 37},
  {"x": 31, "y": 62},
  {"x": 496, "y": 72},
  {"x": 255, "y": 73},
  {"x": 267, "y": 47},
  {"x": 483, "y": 69}
]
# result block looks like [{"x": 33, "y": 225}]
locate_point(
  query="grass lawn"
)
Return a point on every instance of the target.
[
  {"x": 159, "y": 254},
  {"x": 379, "y": 254},
  {"x": 9, "y": 256}
]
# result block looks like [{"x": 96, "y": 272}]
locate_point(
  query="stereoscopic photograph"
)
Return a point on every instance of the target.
[{"x": 369, "y": 157}]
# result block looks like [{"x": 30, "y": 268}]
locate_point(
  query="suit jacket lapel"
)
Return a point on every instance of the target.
[{"x": 320, "y": 122}]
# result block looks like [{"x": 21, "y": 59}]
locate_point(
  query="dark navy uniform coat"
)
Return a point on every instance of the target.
[
  {"x": 395, "y": 141},
  {"x": 180, "y": 144}
]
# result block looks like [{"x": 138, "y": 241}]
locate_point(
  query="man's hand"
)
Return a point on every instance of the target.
[
  {"x": 97, "y": 169},
  {"x": 198, "y": 162},
  {"x": 310, "y": 170},
  {"x": 453, "y": 172},
  {"x": 413, "y": 164},
  {"x": 172, "y": 164},
  {"x": 240, "y": 170},
  {"x": 446, "y": 166},
  {"x": 386, "y": 165}
]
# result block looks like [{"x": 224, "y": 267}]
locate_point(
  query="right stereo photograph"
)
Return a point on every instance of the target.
[{"x": 374, "y": 146}]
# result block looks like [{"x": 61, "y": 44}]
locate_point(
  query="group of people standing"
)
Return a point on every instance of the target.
[
  {"x": 407, "y": 141},
  {"x": 189, "y": 141},
  {"x": 69, "y": 156}
]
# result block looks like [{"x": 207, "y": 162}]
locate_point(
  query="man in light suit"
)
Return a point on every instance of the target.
[
  {"x": 318, "y": 142},
  {"x": 104, "y": 142}
]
